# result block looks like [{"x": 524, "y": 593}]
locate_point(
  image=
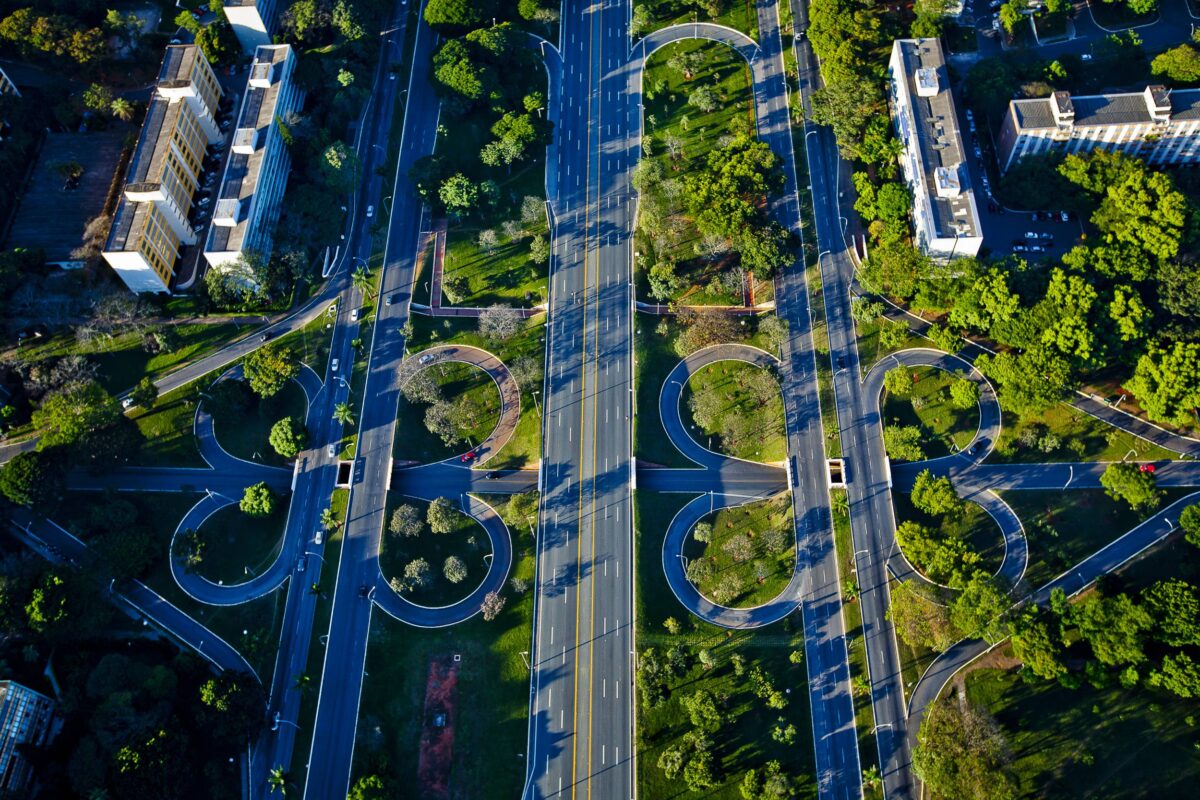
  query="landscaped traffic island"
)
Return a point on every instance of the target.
[
  {"x": 433, "y": 554},
  {"x": 744, "y": 556},
  {"x": 738, "y": 411},
  {"x": 445, "y": 409}
]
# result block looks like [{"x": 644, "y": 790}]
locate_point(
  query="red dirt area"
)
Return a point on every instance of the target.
[{"x": 437, "y": 729}]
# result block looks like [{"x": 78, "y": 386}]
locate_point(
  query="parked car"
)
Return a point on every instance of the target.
[
  {"x": 1036, "y": 248},
  {"x": 1032, "y": 235},
  {"x": 1064, "y": 216},
  {"x": 127, "y": 403},
  {"x": 1146, "y": 468},
  {"x": 1020, "y": 248}
]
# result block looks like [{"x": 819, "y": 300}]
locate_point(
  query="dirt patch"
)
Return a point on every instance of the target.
[
  {"x": 437, "y": 729},
  {"x": 999, "y": 658}
]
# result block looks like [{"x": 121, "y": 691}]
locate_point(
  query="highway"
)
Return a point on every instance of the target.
[
  {"x": 581, "y": 720},
  {"x": 331, "y": 755}
]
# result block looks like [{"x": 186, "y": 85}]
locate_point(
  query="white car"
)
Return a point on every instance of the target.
[
  {"x": 333, "y": 365},
  {"x": 425, "y": 359},
  {"x": 127, "y": 403},
  {"x": 370, "y": 211},
  {"x": 320, "y": 535},
  {"x": 354, "y": 315}
]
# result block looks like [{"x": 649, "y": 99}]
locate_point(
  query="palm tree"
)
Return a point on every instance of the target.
[
  {"x": 870, "y": 776},
  {"x": 303, "y": 682},
  {"x": 343, "y": 414},
  {"x": 361, "y": 280},
  {"x": 279, "y": 780},
  {"x": 122, "y": 109},
  {"x": 328, "y": 519}
]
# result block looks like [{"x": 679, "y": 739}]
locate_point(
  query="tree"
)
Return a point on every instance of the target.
[
  {"x": 459, "y": 194},
  {"x": 122, "y": 109},
  {"x": 979, "y": 610},
  {"x": 1178, "y": 674},
  {"x": 964, "y": 393},
  {"x": 903, "y": 442},
  {"x": 417, "y": 574},
  {"x": 498, "y": 322},
  {"x": 775, "y": 330},
  {"x": 1175, "y": 608},
  {"x": 1127, "y": 482},
  {"x": 442, "y": 516},
  {"x": 48, "y": 603},
  {"x": 343, "y": 414},
  {"x": 701, "y": 708},
  {"x": 144, "y": 394},
  {"x": 704, "y": 98},
  {"x": 34, "y": 479},
  {"x": 371, "y": 787},
  {"x": 406, "y": 521},
  {"x": 961, "y": 753},
  {"x": 1166, "y": 382},
  {"x": 1011, "y": 16},
  {"x": 698, "y": 773},
  {"x": 493, "y": 604},
  {"x": 897, "y": 381},
  {"x": 71, "y": 415},
  {"x": 258, "y": 501},
  {"x": 935, "y": 496},
  {"x": 234, "y": 704},
  {"x": 338, "y": 167},
  {"x": 268, "y": 368},
  {"x": 1189, "y": 520},
  {"x": 361, "y": 280},
  {"x": 98, "y": 98},
  {"x": 920, "y": 622},
  {"x": 1039, "y": 650},
  {"x": 454, "y": 569},
  {"x": 278, "y": 779},
  {"x": 1115, "y": 627},
  {"x": 539, "y": 249},
  {"x": 455, "y": 17},
  {"x": 288, "y": 436}
]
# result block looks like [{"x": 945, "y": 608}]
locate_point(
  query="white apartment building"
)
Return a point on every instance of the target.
[
  {"x": 251, "y": 191},
  {"x": 1159, "y": 125},
  {"x": 252, "y": 22},
  {"x": 945, "y": 216},
  {"x": 152, "y": 216}
]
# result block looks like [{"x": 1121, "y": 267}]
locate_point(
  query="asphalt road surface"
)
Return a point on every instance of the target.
[{"x": 581, "y": 694}]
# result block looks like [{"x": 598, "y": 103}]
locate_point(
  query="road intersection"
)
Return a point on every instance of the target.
[{"x": 581, "y": 724}]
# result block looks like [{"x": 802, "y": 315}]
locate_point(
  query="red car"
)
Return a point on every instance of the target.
[
  {"x": 468, "y": 456},
  {"x": 1146, "y": 468}
]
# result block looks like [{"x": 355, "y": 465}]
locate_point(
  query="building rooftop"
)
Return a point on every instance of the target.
[
  {"x": 1126, "y": 108},
  {"x": 243, "y": 169},
  {"x": 128, "y": 221},
  {"x": 152, "y": 146},
  {"x": 177, "y": 66},
  {"x": 933, "y": 129}
]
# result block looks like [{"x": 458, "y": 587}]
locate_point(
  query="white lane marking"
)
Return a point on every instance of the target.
[
  {"x": 564, "y": 654},
  {"x": 551, "y": 634},
  {"x": 604, "y": 688}
]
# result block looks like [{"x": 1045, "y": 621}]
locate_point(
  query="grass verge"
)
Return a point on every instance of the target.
[
  {"x": 237, "y": 547},
  {"x": 945, "y": 429},
  {"x": 750, "y": 555},
  {"x": 475, "y": 400},
  {"x": 467, "y": 541},
  {"x": 742, "y": 426}
]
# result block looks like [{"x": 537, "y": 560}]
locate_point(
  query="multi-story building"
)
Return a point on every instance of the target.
[
  {"x": 27, "y": 719},
  {"x": 251, "y": 191},
  {"x": 1159, "y": 125},
  {"x": 945, "y": 217},
  {"x": 152, "y": 216},
  {"x": 252, "y": 21}
]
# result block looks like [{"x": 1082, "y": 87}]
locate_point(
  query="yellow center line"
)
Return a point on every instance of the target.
[
  {"x": 595, "y": 426},
  {"x": 582, "y": 420}
]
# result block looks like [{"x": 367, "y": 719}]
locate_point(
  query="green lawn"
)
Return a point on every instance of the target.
[
  {"x": 871, "y": 349},
  {"x": 524, "y": 449},
  {"x": 245, "y": 433},
  {"x": 169, "y": 429},
  {"x": 975, "y": 527},
  {"x": 738, "y": 14},
  {"x": 472, "y": 274},
  {"x": 322, "y": 573},
  {"x": 463, "y": 385},
  {"x": 668, "y": 114},
  {"x": 759, "y": 435},
  {"x": 761, "y": 574},
  {"x": 745, "y": 741},
  {"x": 493, "y": 691},
  {"x": 1063, "y": 433},
  {"x": 123, "y": 361},
  {"x": 1066, "y": 527},
  {"x": 252, "y": 628},
  {"x": 654, "y": 358},
  {"x": 237, "y": 547},
  {"x": 468, "y": 541},
  {"x": 856, "y": 646},
  {"x": 1088, "y": 742},
  {"x": 944, "y": 428},
  {"x": 310, "y": 345}
]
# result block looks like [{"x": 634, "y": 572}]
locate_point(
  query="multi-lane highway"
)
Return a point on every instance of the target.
[{"x": 581, "y": 720}]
